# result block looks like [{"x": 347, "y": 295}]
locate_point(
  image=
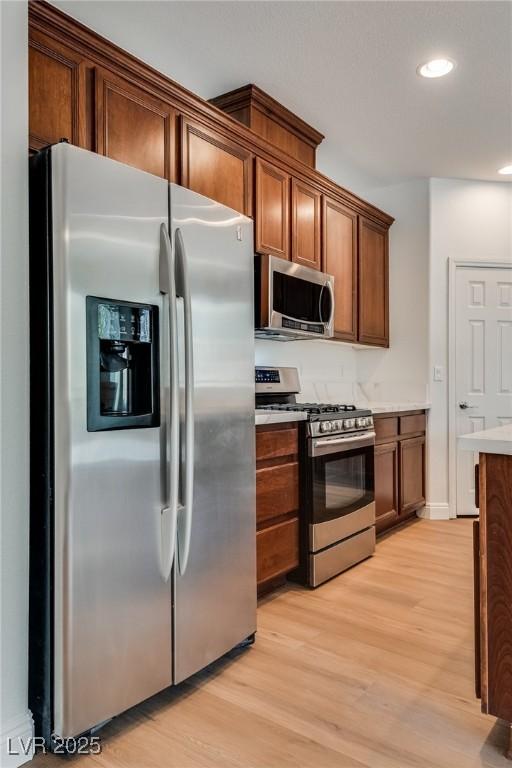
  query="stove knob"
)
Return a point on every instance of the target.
[
  {"x": 326, "y": 426},
  {"x": 361, "y": 422},
  {"x": 349, "y": 423}
]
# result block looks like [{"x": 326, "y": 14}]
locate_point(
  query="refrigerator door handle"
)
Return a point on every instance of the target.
[
  {"x": 185, "y": 516},
  {"x": 170, "y": 512}
]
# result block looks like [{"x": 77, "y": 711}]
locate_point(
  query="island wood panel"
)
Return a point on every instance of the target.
[
  {"x": 476, "y": 603},
  {"x": 272, "y": 210},
  {"x": 306, "y": 223},
  {"x": 216, "y": 166},
  {"x": 57, "y": 98},
  {"x": 373, "y": 283},
  {"x": 339, "y": 259},
  {"x": 495, "y": 607},
  {"x": 412, "y": 474},
  {"x": 134, "y": 127},
  {"x": 386, "y": 485}
]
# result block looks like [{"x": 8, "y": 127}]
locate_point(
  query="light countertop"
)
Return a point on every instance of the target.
[
  {"x": 276, "y": 417},
  {"x": 496, "y": 440},
  {"x": 393, "y": 407}
]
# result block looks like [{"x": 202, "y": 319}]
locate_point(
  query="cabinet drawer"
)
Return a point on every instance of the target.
[
  {"x": 277, "y": 549},
  {"x": 415, "y": 423},
  {"x": 273, "y": 443},
  {"x": 277, "y": 491},
  {"x": 386, "y": 428}
]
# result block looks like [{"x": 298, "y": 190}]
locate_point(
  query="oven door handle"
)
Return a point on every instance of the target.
[{"x": 327, "y": 445}]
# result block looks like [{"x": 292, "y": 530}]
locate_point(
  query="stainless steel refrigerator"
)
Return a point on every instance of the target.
[{"x": 142, "y": 436}]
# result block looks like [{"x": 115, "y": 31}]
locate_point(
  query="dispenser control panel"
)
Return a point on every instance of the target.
[{"x": 123, "y": 383}]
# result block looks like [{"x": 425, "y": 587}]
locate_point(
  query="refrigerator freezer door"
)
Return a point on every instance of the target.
[
  {"x": 112, "y": 609},
  {"x": 215, "y": 598}
]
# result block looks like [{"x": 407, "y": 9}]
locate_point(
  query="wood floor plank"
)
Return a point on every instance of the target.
[{"x": 372, "y": 670}]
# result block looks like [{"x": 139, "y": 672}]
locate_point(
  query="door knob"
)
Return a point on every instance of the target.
[{"x": 464, "y": 404}]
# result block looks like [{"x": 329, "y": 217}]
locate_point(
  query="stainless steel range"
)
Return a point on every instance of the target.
[{"x": 337, "y": 477}]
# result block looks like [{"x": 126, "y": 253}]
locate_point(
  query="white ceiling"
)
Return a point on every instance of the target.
[{"x": 348, "y": 68}]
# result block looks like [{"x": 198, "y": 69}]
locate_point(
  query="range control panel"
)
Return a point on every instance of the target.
[
  {"x": 276, "y": 379},
  {"x": 267, "y": 376}
]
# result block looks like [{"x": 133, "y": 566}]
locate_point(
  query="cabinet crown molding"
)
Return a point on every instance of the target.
[{"x": 252, "y": 96}]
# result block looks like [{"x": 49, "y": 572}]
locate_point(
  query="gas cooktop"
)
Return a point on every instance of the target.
[{"x": 314, "y": 409}]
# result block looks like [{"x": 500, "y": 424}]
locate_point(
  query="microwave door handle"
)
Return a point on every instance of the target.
[
  {"x": 185, "y": 516},
  {"x": 169, "y": 514},
  {"x": 331, "y": 291}
]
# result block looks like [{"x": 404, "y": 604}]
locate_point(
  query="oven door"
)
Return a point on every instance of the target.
[{"x": 342, "y": 487}]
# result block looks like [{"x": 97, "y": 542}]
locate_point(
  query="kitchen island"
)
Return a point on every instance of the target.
[{"x": 493, "y": 570}]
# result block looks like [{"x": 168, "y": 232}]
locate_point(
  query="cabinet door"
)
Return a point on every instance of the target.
[
  {"x": 134, "y": 127},
  {"x": 305, "y": 224},
  {"x": 386, "y": 485},
  {"x": 412, "y": 474},
  {"x": 56, "y": 78},
  {"x": 339, "y": 259},
  {"x": 373, "y": 283},
  {"x": 272, "y": 210},
  {"x": 215, "y": 166}
]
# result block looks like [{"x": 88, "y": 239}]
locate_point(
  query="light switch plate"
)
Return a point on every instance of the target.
[{"x": 438, "y": 373}]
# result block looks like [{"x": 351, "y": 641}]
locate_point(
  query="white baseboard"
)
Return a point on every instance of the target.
[
  {"x": 17, "y": 740},
  {"x": 432, "y": 511}
]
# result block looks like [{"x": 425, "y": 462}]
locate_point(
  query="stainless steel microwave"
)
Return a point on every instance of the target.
[{"x": 292, "y": 301}]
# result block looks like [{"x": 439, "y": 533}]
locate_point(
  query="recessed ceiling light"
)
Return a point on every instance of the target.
[
  {"x": 436, "y": 68},
  {"x": 506, "y": 170}
]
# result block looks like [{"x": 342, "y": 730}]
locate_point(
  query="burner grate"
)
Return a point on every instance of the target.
[{"x": 312, "y": 408}]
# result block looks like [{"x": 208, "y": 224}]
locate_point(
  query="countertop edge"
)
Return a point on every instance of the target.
[
  {"x": 273, "y": 417},
  {"x": 481, "y": 443}
]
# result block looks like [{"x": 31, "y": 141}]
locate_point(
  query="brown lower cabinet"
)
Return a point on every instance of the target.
[
  {"x": 277, "y": 503},
  {"x": 399, "y": 467}
]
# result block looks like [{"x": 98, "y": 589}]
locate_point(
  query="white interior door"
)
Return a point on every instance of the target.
[{"x": 483, "y": 363}]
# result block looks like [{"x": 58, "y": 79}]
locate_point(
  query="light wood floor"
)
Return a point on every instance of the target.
[{"x": 375, "y": 669}]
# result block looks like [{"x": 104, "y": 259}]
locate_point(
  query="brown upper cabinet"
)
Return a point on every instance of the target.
[
  {"x": 134, "y": 127},
  {"x": 373, "y": 283},
  {"x": 305, "y": 224},
  {"x": 272, "y": 210},
  {"x": 258, "y": 159},
  {"x": 216, "y": 166},
  {"x": 339, "y": 259},
  {"x": 56, "y": 93}
]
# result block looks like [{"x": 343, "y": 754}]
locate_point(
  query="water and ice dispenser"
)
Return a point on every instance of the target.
[{"x": 122, "y": 365}]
